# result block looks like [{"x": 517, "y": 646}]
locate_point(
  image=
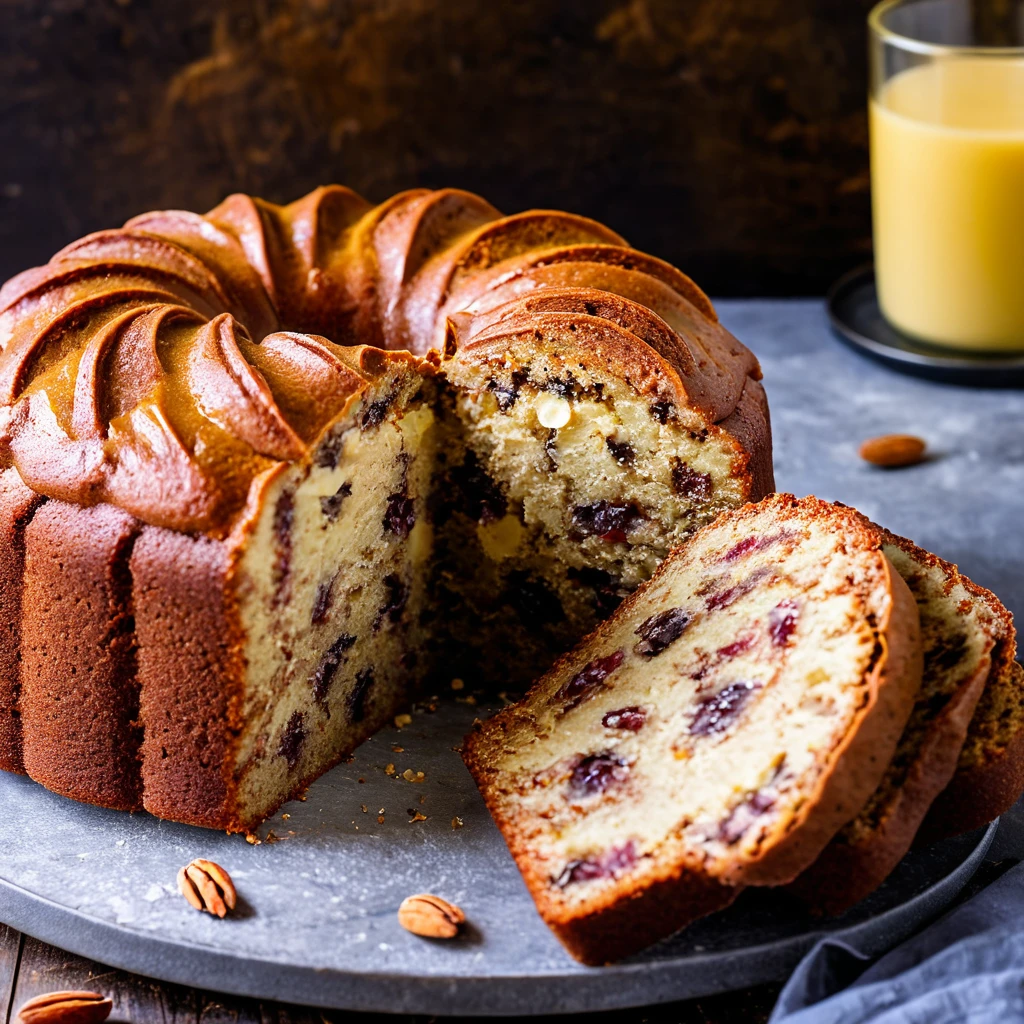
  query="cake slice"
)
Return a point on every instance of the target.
[
  {"x": 714, "y": 733},
  {"x": 989, "y": 776},
  {"x": 968, "y": 639}
]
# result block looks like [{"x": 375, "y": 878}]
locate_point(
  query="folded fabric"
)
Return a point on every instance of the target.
[{"x": 966, "y": 967}]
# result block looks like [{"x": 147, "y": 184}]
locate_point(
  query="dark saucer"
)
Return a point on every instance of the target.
[{"x": 857, "y": 320}]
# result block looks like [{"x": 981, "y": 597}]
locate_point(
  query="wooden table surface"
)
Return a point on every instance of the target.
[{"x": 29, "y": 968}]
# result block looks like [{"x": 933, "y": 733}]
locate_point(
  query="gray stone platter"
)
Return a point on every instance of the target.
[{"x": 317, "y": 923}]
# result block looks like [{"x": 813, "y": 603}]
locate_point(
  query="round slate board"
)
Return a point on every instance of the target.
[
  {"x": 858, "y": 321},
  {"x": 317, "y": 920}
]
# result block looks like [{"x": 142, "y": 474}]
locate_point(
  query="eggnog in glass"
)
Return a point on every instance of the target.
[{"x": 947, "y": 169}]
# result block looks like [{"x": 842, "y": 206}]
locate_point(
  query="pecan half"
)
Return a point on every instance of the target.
[
  {"x": 207, "y": 886},
  {"x": 430, "y": 916},
  {"x": 66, "y": 1008}
]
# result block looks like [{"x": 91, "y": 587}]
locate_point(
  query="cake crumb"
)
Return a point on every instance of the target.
[
  {"x": 401, "y": 721},
  {"x": 468, "y": 699},
  {"x": 380, "y": 819},
  {"x": 423, "y": 798},
  {"x": 417, "y": 817},
  {"x": 457, "y": 822},
  {"x": 285, "y": 817},
  {"x": 252, "y": 839},
  {"x": 362, "y": 780},
  {"x": 272, "y": 837},
  {"x": 398, "y": 750},
  {"x": 363, "y": 808},
  {"x": 389, "y": 770},
  {"x": 410, "y": 776},
  {"x": 458, "y": 684}
]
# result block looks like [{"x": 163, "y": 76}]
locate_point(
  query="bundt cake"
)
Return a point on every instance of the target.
[
  {"x": 968, "y": 640},
  {"x": 264, "y": 468},
  {"x": 716, "y": 732}
]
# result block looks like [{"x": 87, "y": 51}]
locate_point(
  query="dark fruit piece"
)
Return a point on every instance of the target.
[
  {"x": 689, "y": 483},
  {"x": 750, "y": 544},
  {"x": 396, "y": 594},
  {"x": 740, "y": 646},
  {"x": 597, "y": 773},
  {"x": 631, "y": 719},
  {"x": 328, "y": 455},
  {"x": 617, "y": 860},
  {"x": 482, "y": 500},
  {"x": 657, "y": 632},
  {"x": 663, "y": 411},
  {"x": 331, "y": 506},
  {"x": 728, "y": 596},
  {"x": 588, "y": 680},
  {"x": 507, "y": 394},
  {"x": 322, "y": 601},
  {"x": 608, "y": 520},
  {"x": 374, "y": 413},
  {"x": 532, "y": 601},
  {"x": 622, "y": 451},
  {"x": 284, "y": 519},
  {"x": 782, "y": 621},
  {"x": 357, "y": 698},
  {"x": 292, "y": 739},
  {"x": 564, "y": 387},
  {"x": 743, "y": 815},
  {"x": 551, "y": 450},
  {"x": 400, "y": 514},
  {"x": 717, "y": 712},
  {"x": 323, "y": 674}
]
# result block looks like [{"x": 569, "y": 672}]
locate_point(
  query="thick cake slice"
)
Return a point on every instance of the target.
[
  {"x": 967, "y": 636},
  {"x": 989, "y": 776},
  {"x": 716, "y": 732}
]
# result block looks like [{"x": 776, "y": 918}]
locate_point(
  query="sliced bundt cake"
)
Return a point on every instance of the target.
[
  {"x": 968, "y": 640},
  {"x": 503, "y": 421},
  {"x": 715, "y": 732}
]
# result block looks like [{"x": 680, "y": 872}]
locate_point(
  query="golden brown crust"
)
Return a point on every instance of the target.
[
  {"x": 191, "y": 670},
  {"x": 79, "y": 694},
  {"x": 17, "y": 505}
]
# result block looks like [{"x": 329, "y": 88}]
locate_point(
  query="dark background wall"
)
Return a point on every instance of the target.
[{"x": 728, "y": 136}]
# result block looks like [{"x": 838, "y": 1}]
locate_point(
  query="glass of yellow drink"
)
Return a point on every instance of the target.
[{"x": 947, "y": 169}]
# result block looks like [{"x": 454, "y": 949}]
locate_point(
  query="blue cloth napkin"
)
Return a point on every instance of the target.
[{"x": 967, "y": 967}]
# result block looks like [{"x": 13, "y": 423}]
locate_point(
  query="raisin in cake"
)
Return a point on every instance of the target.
[
  {"x": 714, "y": 733},
  {"x": 257, "y": 465},
  {"x": 969, "y": 641}
]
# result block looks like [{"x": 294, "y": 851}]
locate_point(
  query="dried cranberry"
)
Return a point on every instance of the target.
[
  {"x": 616, "y": 861},
  {"x": 596, "y": 773},
  {"x": 728, "y": 596},
  {"x": 689, "y": 482},
  {"x": 395, "y": 596},
  {"x": 608, "y": 520},
  {"x": 400, "y": 514},
  {"x": 663, "y": 411},
  {"x": 292, "y": 739},
  {"x": 661, "y": 630},
  {"x": 717, "y": 712},
  {"x": 743, "y": 815},
  {"x": 331, "y": 506},
  {"x": 622, "y": 451},
  {"x": 322, "y": 601},
  {"x": 323, "y": 674},
  {"x": 374, "y": 413},
  {"x": 356, "y": 699},
  {"x": 750, "y": 544},
  {"x": 328, "y": 455},
  {"x": 284, "y": 519},
  {"x": 588, "y": 680},
  {"x": 631, "y": 719},
  {"x": 740, "y": 646},
  {"x": 531, "y": 600},
  {"x": 782, "y": 621}
]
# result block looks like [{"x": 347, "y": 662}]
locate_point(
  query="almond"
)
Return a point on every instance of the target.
[
  {"x": 430, "y": 916},
  {"x": 893, "y": 450},
  {"x": 66, "y": 1008},
  {"x": 207, "y": 886}
]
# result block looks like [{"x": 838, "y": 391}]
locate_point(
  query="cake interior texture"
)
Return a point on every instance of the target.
[
  {"x": 758, "y": 646},
  {"x": 489, "y": 432}
]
